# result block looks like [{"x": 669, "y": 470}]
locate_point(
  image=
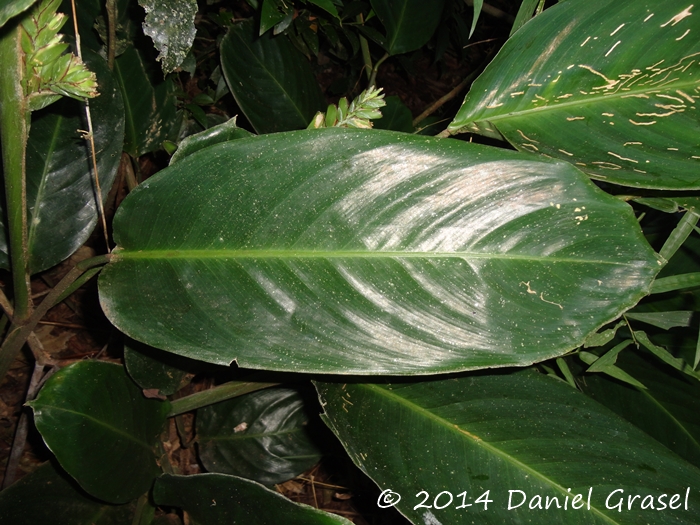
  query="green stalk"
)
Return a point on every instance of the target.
[
  {"x": 364, "y": 46},
  {"x": 18, "y": 334},
  {"x": 215, "y": 395},
  {"x": 14, "y": 130}
]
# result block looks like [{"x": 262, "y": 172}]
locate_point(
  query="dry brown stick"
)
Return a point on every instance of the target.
[{"x": 432, "y": 108}]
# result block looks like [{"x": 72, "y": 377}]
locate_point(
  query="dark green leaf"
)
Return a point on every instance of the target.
[
  {"x": 11, "y": 8},
  {"x": 214, "y": 135},
  {"x": 666, "y": 410},
  {"x": 525, "y": 13},
  {"x": 50, "y": 496},
  {"x": 271, "y": 14},
  {"x": 504, "y": 433},
  {"x": 663, "y": 320},
  {"x": 149, "y": 103},
  {"x": 218, "y": 499},
  {"x": 326, "y": 5},
  {"x": 353, "y": 251},
  {"x": 151, "y": 368},
  {"x": 101, "y": 429},
  {"x": 409, "y": 23},
  {"x": 610, "y": 86},
  {"x": 271, "y": 81},
  {"x": 261, "y": 436},
  {"x": 395, "y": 116},
  {"x": 478, "y": 4},
  {"x": 170, "y": 24},
  {"x": 61, "y": 199}
]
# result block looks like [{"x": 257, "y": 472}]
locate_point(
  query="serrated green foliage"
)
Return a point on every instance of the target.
[
  {"x": 394, "y": 255},
  {"x": 50, "y": 73},
  {"x": 610, "y": 86},
  {"x": 101, "y": 429},
  {"x": 218, "y": 499},
  {"x": 358, "y": 114},
  {"x": 170, "y": 23},
  {"x": 501, "y": 432},
  {"x": 263, "y": 436}
]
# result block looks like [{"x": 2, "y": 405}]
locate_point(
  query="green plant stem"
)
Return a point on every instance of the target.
[
  {"x": 364, "y": 46},
  {"x": 14, "y": 129},
  {"x": 214, "y": 395},
  {"x": 373, "y": 77},
  {"x": 679, "y": 234},
  {"x": 18, "y": 334}
]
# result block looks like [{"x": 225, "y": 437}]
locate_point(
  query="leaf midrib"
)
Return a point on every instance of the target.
[
  {"x": 464, "y": 434},
  {"x": 120, "y": 254}
]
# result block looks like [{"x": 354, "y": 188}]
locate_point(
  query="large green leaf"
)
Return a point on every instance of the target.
[
  {"x": 50, "y": 496},
  {"x": 409, "y": 23},
  {"x": 218, "y": 499},
  {"x": 170, "y": 23},
  {"x": 60, "y": 192},
  {"x": 506, "y": 437},
  {"x": 101, "y": 429},
  {"x": 149, "y": 102},
  {"x": 364, "y": 251},
  {"x": 263, "y": 436},
  {"x": 271, "y": 81},
  {"x": 667, "y": 409},
  {"x": 610, "y": 86},
  {"x": 11, "y": 8}
]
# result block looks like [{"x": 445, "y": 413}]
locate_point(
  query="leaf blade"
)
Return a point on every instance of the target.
[{"x": 322, "y": 255}]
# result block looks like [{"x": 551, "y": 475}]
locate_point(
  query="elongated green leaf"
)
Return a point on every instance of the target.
[
  {"x": 527, "y": 8},
  {"x": 610, "y": 86},
  {"x": 667, "y": 409},
  {"x": 271, "y": 81},
  {"x": 511, "y": 438},
  {"x": 263, "y": 436},
  {"x": 409, "y": 23},
  {"x": 101, "y": 429},
  {"x": 170, "y": 23},
  {"x": 49, "y": 496},
  {"x": 11, "y": 8},
  {"x": 218, "y": 499},
  {"x": 149, "y": 102},
  {"x": 60, "y": 191},
  {"x": 353, "y": 251},
  {"x": 663, "y": 320},
  {"x": 219, "y": 133}
]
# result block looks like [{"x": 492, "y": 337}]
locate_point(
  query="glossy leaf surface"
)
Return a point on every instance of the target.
[
  {"x": 353, "y": 251},
  {"x": 271, "y": 81},
  {"x": 610, "y": 86},
  {"x": 667, "y": 409},
  {"x": 219, "y": 133},
  {"x": 61, "y": 199},
  {"x": 11, "y": 8},
  {"x": 149, "y": 102},
  {"x": 218, "y": 499},
  {"x": 170, "y": 24},
  {"x": 261, "y": 436},
  {"x": 154, "y": 369},
  {"x": 505, "y": 432},
  {"x": 409, "y": 23},
  {"x": 101, "y": 429},
  {"x": 49, "y": 496}
]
